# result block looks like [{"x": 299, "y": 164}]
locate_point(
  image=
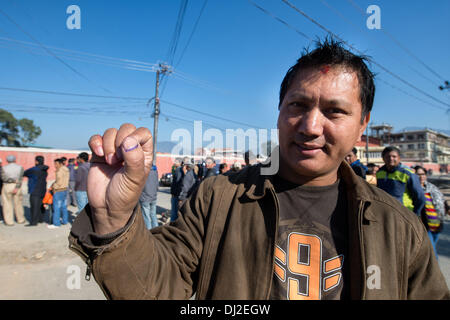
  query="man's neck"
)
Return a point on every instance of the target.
[{"x": 288, "y": 174}]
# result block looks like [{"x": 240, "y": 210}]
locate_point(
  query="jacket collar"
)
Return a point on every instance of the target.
[{"x": 357, "y": 189}]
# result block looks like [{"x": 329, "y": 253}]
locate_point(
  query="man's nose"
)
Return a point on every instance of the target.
[{"x": 311, "y": 123}]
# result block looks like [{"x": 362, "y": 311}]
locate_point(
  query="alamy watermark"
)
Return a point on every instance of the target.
[
  {"x": 374, "y": 20},
  {"x": 74, "y": 20},
  {"x": 258, "y": 142}
]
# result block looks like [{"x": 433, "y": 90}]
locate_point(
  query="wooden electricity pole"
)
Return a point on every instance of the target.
[{"x": 163, "y": 69}]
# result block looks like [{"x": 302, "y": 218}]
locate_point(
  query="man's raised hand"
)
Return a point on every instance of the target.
[{"x": 121, "y": 161}]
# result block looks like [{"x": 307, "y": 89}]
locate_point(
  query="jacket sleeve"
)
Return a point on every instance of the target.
[
  {"x": 416, "y": 193},
  {"x": 426, "y": 281},
  {"x": 138, "y": 263}
]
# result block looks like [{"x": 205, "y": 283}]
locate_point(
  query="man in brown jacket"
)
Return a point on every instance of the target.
[
  {"x": 310, "y": 230},
  {"x": 59, "y": 189}
]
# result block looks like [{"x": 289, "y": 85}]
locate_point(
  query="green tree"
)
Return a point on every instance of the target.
[
  {"x": 29, "y": 132},
  {"x": 16, "y": 133}
]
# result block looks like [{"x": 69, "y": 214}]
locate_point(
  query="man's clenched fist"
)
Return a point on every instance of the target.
[{"x": 121, "y": 161}]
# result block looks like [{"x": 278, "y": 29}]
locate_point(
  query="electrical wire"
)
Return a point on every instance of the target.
[
  {"x": 211, "y": 115},
  {"x": 356, "y": 50},
  {"x": 50, "y": 52},
  {"x": 192, "y": 33},
  {"x": 280, "y": 20},
  {"x": 399, "y": 44},
  {"x": 343, "y": 17}
]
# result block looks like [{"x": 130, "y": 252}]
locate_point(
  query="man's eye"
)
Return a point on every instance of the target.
[
  {"x": 335, "y": 111},
  {"x": 297, "y": 105}
]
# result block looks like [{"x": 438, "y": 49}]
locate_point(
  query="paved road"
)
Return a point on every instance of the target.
[{"x": 35, "y": 262}]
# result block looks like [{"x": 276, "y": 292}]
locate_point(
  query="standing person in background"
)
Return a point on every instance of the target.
[
  {"x": 400, "y": 181},
  {"x": 356, "y": 165},
  {"x": 223, "y": 168},
  {"x": 148, "y": 199},
  {"x": 64, "y": 161},
  {"x": 211, "y": 167},
  {"x": 12, "y": 175},
  {"x": 81, "y": 175},
  {"x": 175, "y": 188},
  {"x": 433, "y": 214},
  {"x": 37, "y": 186},
  {"x": 71, "y": 197},
  {"x": 371, "y": 176},
  {"x": 59, "y": 188},
  {"x": 190, "y": 181}
]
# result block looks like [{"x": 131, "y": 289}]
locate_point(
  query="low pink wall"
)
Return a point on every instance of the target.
[{"x": 25, "y": 157}]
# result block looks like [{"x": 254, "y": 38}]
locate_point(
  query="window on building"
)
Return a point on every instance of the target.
[
  {"x": 410, "y": 137},
  {"x": 410, "y": 147}
]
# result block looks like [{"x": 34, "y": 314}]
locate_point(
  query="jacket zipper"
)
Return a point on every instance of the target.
[
  {"x": 86, "y": 258},
  {"x": 360, "y": 235},
  {"x": 274, "y": 242}
]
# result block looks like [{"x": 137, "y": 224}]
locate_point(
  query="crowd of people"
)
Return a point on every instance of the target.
[
  {"x": 68, "y": 188},
  {"x": 408, "y": 185}
]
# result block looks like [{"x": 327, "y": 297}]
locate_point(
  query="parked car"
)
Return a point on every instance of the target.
[{"x": 166, "y": 179}]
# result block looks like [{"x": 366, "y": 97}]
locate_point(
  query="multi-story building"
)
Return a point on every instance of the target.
[{"x": 424, "y": 147}]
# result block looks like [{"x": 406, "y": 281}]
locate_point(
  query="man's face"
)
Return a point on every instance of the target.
[
  {"x": 391, "y": 159},
  {"x": 319, "y": 123},
  {"x": 57, "y": 165}
]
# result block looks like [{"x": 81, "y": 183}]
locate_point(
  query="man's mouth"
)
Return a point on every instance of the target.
[{"x": 309, "y": 149}]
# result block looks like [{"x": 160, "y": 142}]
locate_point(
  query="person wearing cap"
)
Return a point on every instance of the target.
[
  {"x": 190, "y": 180},
  {"x": 12, "y": 175}
]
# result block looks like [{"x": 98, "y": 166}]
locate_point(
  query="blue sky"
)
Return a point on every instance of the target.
[{"x": 232, "y": 67}]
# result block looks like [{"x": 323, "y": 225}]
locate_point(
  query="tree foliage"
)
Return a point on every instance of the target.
[{"x": 17, "y": 132}]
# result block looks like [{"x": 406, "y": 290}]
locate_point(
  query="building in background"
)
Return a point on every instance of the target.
[{"x": 425, "y": 147}]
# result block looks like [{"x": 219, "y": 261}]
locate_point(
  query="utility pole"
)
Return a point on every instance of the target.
[{"x": 163, "y": 69}]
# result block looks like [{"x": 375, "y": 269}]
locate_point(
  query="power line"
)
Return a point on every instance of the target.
[
  {"x": 49, "y": 51},
  {"x": 192, "y": 33},
  {"x": 353, "y": 48},
  {"x": 70, "y": 94},
  {"x": 280, "y": 20},
  {"x": 174, "y": 42},
  {"x": 343, "y": 17},
  {"x": 211, "y": 115},
  {"x": 176, "y": 34},
  {"x": 400, "y": 45},
  {"x": 130, "y": 61}
]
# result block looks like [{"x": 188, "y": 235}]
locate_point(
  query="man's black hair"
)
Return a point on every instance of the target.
[
  {"x": 390, "y": 149},
  {"x": 59, "y": 160},
  {"x": 39, "y": 160},
  {"x": 332, "y": 53},
  {"x": 355, "y": 151},
  {"x": 84, "y": 156}
]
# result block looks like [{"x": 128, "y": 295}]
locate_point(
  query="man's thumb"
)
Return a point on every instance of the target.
[{"x": 133, "y": 157}]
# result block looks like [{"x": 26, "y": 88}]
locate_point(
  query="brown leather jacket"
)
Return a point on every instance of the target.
[{"x": 222, "y": 246}]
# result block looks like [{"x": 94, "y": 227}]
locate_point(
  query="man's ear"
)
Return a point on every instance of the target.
[{"x": 364, "y": 125}]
